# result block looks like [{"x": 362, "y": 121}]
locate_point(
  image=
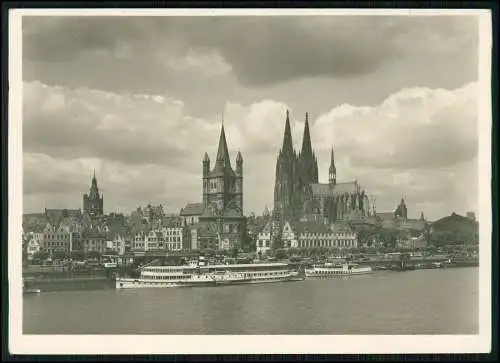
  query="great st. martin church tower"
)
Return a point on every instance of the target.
[{"x": 223, "y": 197}]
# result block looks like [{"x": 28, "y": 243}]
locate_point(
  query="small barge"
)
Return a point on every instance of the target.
[{"x": 335, "y": 270}]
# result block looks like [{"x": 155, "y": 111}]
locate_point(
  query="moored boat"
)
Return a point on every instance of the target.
[
  {"x": 209, "y": 275},
  {"x": 32, "y": 291},
  {"x": 27, "y": 290},
  {"x": 335, "y": 270}
]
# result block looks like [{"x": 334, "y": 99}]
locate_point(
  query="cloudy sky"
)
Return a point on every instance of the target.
[{"x": 140, "y": 100}]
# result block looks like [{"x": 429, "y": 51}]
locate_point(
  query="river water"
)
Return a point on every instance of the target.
[{"x": 441, "y": 301}]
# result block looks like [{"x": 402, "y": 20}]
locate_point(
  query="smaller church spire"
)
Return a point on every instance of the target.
[
  {"x": 94, "y": 182},
  {"x": 239, "y": 158},
  {"x": 266, "y": 212},
  {"x": 332, "y": 172},
  {"x": 222, "y": 152}
]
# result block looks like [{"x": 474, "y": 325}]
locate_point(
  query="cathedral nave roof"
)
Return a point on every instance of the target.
[{"x": 339, "y": 188}]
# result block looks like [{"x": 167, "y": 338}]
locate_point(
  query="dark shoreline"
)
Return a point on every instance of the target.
[
  {"x": 80, "y": 284},
  {"x": 104, "y": 283}
]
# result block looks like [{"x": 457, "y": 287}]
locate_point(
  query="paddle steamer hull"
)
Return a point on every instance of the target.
[{"x": 126, "y": 283}]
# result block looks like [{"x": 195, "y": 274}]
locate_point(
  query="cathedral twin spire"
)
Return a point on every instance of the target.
[
  {"x": 306, "y": 140},
  {"x": 287, "y": 138},
  {"x": 306, "y": 158},
  {"x": 293, "y": 172},
  {"x": 308, "y": 161}
]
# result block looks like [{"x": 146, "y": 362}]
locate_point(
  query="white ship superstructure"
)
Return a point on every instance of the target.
[
  {"x": 335, "y": 270},
  {"x": 209, "y": 275}
]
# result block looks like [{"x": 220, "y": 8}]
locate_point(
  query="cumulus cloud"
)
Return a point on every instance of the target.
[
  {"x": 420, "y": 143},
  {"x": 77, "y": 130},
  {"x": 311, "y": 63},
  {"x": 145, "y": 148},
  {"x": 59, "y": 183},
  {"x": 414, "y": 128},
  {"x": 141, "y": 100},
  {"x": 134, "y": 129},
  {"x": 259, "y": 127},
  {"x": 259, "y": 50},
  {"x": 89, "y": 123}
]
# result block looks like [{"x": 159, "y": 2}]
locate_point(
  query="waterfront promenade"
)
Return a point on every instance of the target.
[{"x": 59, "y": 277}]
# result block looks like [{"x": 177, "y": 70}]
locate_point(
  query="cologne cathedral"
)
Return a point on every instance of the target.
[{"x": 299, "y": 196}]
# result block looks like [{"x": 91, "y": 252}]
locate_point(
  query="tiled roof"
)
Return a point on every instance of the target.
[
  {"x": 253, "y": 228},
  {"x": 222, "y": 170},
  {"x": 328, "y": 190},
  {"x": 267, "y": 227},
  {"x": 386, "y": 216},
  {"x": 92, "y": 234},
  {"x": 35, "y": 226},
  {"x": 233, "y": 213},
  {"x": 417, "y": 224},
  {"x": 57, "y": 214},
  {"x": 311, "y": 227},
  {"x": 340, "y": 227},
  {"x": 295, "y": 226},
  {"x": 207, "y": 229},
  {"x": 208, "y": 213},
  {"x": 192, "y": 209}
]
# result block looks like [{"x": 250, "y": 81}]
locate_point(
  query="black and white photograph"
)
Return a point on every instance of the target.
[{"x": 249, "y": 181}]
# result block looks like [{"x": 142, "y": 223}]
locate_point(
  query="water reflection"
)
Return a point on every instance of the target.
[{"x": 416, "y": 302}]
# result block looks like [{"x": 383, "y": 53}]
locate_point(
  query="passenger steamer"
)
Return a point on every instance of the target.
[
  {"x": 335, "y": 270},
  {"x": 209, "y": 275}
]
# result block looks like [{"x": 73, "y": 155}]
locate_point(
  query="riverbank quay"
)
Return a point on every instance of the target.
[
  {"x": 72, "y": 284},
  {"x": 57, "y": 279},
  {"x": 378, "y": 263}
]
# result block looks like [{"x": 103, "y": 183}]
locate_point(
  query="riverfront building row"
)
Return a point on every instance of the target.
[{"x": 308, "y": 235}]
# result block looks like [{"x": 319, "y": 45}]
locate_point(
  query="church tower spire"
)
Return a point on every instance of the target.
[
  {"x": 286, "y": 185},
  {"x": 287, "y": 138},
  {"x": 94, "y": 189},
  {"x": 222, "y": 211},
  {"x": 222, "y": 152},
  {"x": 306, "y": 140},
  {"x": 94, "y": 182},
  {"x": 332, "y": 172},
  {"x": 93, "y": 201},
  {"x": 308, "y": 162}
]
